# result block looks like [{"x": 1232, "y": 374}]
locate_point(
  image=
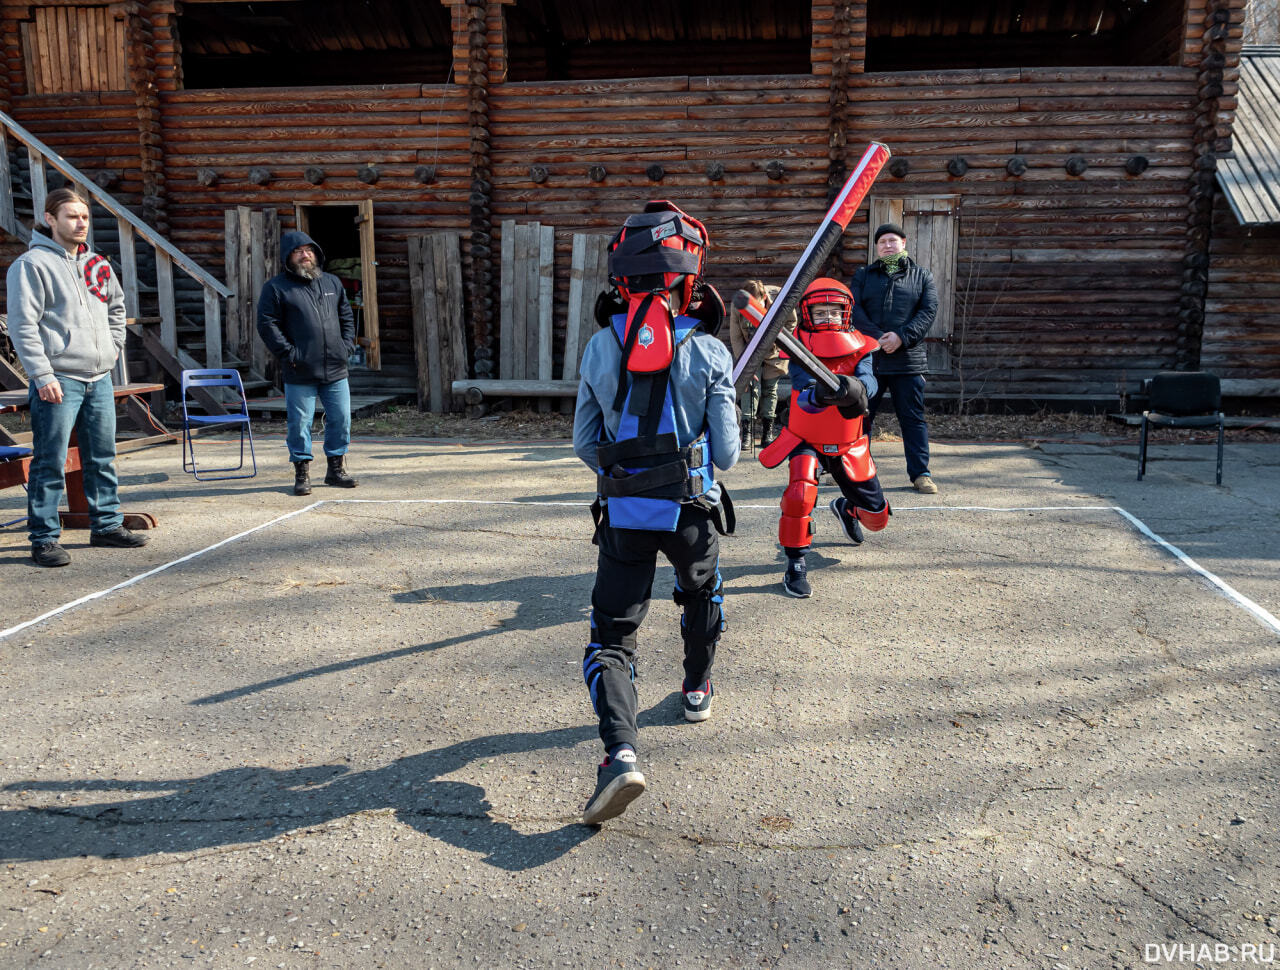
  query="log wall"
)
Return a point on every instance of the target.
[
  {"x": 1242, "y": 312},
  {"x": 1066, "y": 283},
  {"x": 395, "y": 129}
]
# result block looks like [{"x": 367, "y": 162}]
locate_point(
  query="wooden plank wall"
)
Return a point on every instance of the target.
[
  {"x": 94, "y": 132},
  {"x": 1065, "y": 283},
  {"x": 758, "y": 226},
  {"x": 396, "y": 129},
  {"x": 1242, "y": 313}
]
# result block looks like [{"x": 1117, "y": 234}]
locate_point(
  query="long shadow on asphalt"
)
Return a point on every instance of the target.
[
  {"x": 536, "y": 606},
  {"x": 254, "y": 804}
]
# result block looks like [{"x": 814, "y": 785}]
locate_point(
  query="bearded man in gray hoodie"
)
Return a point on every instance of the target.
[{"x": 66, "y": 322}]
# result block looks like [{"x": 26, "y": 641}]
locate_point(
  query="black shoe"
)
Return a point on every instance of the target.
[
  {"x": 697, "y": 703},
  {"x": 302, "y": 478},
  {"x": 744, "y": 440},
  {"x": 766, "y": 434},
  {"x": 847, "y": 522},
  {"x": 49, "y": 554},
  {"x": 795, "y": 582},
  {"x": 337, "y": 474},
  {"x": 118, "y": 538},
  {"x": 618, "y": 784}
]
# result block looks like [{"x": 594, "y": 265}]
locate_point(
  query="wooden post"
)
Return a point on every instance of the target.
[
  {"x": 231, "y": 261},
  {"x": 212, "y": 328},
  {"x": 448, "y": 282},
  {"x": 426, "y": 324},
  {"x": 588, "y": 276},
  {"x": 506, "y": 323},
  {"x": 546, "y": 297},
  {"x": 167, "y": 306},
  {"x": 8, "y": 219},
  {"x": 264, "y": 253},
  {"x": 39, "y": 189},
  {"x": 128, "y": 268}
]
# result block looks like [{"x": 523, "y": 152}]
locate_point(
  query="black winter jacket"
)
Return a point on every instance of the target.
[
  {"x": 905, "y": 303},
  {"x": 307, "y": 324}
]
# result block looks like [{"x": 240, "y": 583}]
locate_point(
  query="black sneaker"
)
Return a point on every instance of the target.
[
  {"x": 697, "y": 703},
  {"x": 49, "y": 554},
  {"x": 618, "y": 784},
  {"x": 847, "y": 522},
  {"x": 118, "y": 538},
  {"x": 795, "y": 582}
]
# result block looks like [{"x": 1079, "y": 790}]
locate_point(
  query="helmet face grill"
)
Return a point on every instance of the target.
[{"x": 826, "y": 305}]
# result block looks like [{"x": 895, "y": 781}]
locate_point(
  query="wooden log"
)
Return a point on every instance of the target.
[{"x": 476, "y": 390}]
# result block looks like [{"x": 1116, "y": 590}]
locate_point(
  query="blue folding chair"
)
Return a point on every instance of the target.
[{"x": 212, "y": 378}]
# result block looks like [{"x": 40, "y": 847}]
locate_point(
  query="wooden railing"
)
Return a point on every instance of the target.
[{"x": 131, "y": 228}]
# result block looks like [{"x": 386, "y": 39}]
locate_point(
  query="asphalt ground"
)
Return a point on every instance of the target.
[{"x": 1034, "y": 723}]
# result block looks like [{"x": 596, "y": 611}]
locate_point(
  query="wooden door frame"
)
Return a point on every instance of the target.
[{"x": 368, "y": 269}]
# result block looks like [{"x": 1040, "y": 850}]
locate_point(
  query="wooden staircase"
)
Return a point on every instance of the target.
[{"x": 179, "y": 321}]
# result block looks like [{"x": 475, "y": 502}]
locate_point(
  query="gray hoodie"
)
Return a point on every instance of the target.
[{"x": 66, "y": 313}]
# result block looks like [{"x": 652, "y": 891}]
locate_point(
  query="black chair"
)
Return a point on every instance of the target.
[{"x": 1182, "y": 399}]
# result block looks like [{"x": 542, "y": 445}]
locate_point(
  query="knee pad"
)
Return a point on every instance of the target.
[
  {"x": 795, "y": 529},
  {"x": 874, "y": 521}
]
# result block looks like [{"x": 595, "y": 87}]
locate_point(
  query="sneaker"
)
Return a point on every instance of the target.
[
  {"x": 697, "y": 703},
  {"x": 618, "y": 784},
  {"x": 49, "y": 554},
  {"x": 118, "y": 538},
  {"x": 847, "y": 522},
  {"x": 795, "y": 581},
  {"x": 924, "y": 483}
]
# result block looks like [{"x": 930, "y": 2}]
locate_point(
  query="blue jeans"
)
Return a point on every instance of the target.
[
  {"x": 300, "y": 400},
  {"x": 89, "y": 410},
  {"x": 907, "y": 391}
]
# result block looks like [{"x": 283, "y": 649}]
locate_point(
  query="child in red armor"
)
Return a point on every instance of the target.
[{"x": 825, "y": 431}]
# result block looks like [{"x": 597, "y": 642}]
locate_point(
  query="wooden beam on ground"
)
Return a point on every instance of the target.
[{"x": 475, "y": 390}]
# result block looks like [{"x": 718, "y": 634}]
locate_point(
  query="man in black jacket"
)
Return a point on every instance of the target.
[
  {"x": 305, "y": 320},
  {"x": 895, "y": 301}
]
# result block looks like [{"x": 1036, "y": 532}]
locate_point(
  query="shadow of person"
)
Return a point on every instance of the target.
[
  {"x": 540, "y": 601},
  {"x": 253, "y": 804}
]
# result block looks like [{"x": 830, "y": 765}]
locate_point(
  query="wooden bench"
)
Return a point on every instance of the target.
[{"x": 16, "y": 469}]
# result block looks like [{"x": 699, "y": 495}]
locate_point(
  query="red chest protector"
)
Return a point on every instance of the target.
[{"x": 828, "y": 431}]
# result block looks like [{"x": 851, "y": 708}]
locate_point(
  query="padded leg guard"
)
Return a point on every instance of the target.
[
  {"x": 795, "y": 528},
  {"x": 873, "y": 521}
]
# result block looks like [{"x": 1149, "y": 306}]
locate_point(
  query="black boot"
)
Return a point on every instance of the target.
[
  {"x": 337, "y": 474},
  {"x": 766, "y": 433},
  {"x": 745, "y": 428},
  {"x": 302, "y": 478}
]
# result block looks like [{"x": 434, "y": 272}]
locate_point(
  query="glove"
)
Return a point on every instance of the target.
[{"x": 852, "y": 395}]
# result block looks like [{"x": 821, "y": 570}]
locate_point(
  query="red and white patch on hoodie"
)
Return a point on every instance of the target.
[{"x": 97, "y": 276}]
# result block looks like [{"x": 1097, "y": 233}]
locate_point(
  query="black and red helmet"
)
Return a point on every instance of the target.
[
  {"x": 826, "y": 291},
  {"x": 659, "y": 251}
]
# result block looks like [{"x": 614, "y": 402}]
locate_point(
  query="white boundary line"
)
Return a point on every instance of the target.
[{"x": 1220, "y": 585}]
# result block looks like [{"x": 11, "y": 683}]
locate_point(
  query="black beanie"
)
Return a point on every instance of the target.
[{"x": 889, "y": 227}]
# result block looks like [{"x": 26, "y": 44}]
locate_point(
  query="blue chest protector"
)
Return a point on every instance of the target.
[{"x": 645, "y": 474}]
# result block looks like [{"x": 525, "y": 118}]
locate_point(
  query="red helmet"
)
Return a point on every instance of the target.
[
  {"x": 822, "y": 291},
  {"x": 661, "y": 250}
]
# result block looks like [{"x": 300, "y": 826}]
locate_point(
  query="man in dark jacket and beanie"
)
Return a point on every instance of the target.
[
  {"x": 895, "y": 301},
  {"x": 305, "y": 320}
]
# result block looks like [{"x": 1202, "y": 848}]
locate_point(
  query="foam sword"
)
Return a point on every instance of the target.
[{"x": 805, "y": 272}]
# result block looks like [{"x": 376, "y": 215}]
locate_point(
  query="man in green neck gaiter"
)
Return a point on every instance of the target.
[{"x": 896, "y": 302}]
